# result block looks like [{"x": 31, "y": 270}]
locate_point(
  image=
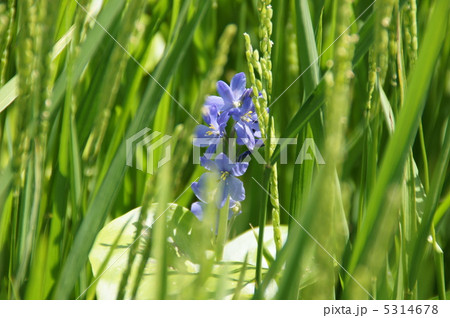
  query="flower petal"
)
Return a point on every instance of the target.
[
  {"x": 238, "y": 85},
  {"x": 244, "y": 155},
  {"x": 210, "y": 114},
  {"x": 208, "y": 164},
  {"x": 197, "y": 208},
  {"x": 225, "y": 92},
  {"x": 196, "y": 188},
  {"x": 247, "y": 105},
  {"x": 259, "y": 143},
  {"x": 223, "y": 162},
  {"x": 235, "y": 188},
  {"x": 202, "y": 131},
  {"x": 214, "y": 101},
  {"x": 236, "y": 113},
  {"x": 202, "y": 139},
  {"x": 222, "y": 121},
  {"x": 240, "y": 130},
  {"x": 245, "y": 135},
  {"x": 212, "y": 149},
  {"x": 201, "y": 189},
  {"x": 239, "y": 169}
]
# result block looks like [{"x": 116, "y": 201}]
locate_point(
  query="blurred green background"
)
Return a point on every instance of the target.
[{"x": 368, "y": 80}]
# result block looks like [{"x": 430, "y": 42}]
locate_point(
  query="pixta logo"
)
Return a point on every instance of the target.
[{"x": 156, "y": 147}]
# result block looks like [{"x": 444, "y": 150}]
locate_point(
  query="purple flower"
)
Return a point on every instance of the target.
[
  {"x": 198, "y": 209},
  {"x": 233, "y": 95},
  {"x": 247, "y": 127},
  {"x": 224, "y": 173},
  {"x": 215, "y": 101},
  {"x": 220, "y": 183},
  {"x": 214, "y": 132}
]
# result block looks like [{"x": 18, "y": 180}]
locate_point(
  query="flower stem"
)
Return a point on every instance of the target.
[
  {"x": 222, "y": 230},
  {"x": 262, "y": 223}
]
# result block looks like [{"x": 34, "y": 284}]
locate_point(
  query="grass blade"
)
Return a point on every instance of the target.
[{"x": 407, "y": 126}]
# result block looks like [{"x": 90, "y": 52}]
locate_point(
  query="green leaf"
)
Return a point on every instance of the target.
[
  {"x": 9, "y": 91},
  {"x": 387, "y": 109},
  {"x": 183, "y": 270},
  {"x": 366, "y": 38},
  {"x": 310, "y": 107},
  {"x": 103, "y": 199},
  {"x": 88, "y": 49},
  {"x": 246, "y": 244},
  {"x": 180, "y": 228},
  {"x": 308, "y": 56},
  {"x": 431, "y": 203},
  {"x": 403, "y": 137}
]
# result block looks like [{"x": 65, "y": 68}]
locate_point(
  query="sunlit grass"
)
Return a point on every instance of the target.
[{"x": 368, "y": 81}]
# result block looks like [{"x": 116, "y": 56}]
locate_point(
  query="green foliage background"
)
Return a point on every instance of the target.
[{"x": 78, "y": 78}]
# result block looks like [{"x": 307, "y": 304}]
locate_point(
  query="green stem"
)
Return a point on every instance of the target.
[
  {"x": 439, "y": 265},
  {"x": 262, "y": 223},
  {"x": 222, "y": 230},
  {"x": 426, "y": 181}
]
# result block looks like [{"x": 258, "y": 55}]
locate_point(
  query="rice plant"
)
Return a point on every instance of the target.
[{"x": 213, "y": 149}]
